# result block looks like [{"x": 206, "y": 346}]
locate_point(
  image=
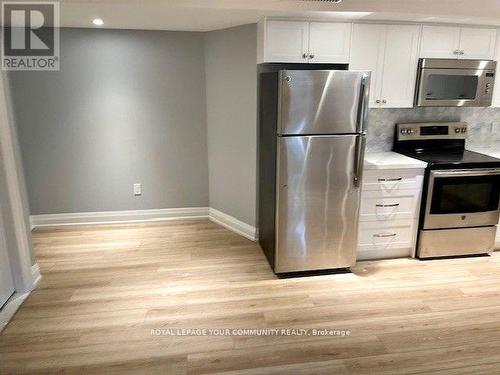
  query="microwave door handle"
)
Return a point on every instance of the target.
[{"x": 359, "y": 155}]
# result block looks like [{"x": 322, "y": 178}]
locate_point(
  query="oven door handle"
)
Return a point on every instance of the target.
[{"x": 465, "y": 173}]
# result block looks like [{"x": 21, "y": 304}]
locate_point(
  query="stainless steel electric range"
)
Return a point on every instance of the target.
[{"x": 460, "y": 199}]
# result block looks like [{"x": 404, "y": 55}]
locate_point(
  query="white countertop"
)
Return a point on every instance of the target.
[
  {"x": 493, "y": 151},
  {"x": 391, "y": 160}
]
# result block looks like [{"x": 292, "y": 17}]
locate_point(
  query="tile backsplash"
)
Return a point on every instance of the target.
[{"x": 484, "y": 124}]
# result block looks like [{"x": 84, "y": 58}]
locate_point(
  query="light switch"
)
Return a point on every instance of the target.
[{"x": 137, "y": 189}]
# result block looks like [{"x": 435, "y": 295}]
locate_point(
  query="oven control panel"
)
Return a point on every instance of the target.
[{"x": 434, "y": 130}]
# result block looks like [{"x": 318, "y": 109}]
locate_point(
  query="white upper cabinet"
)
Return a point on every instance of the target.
[
  {"x": 391, "y": 53},
  {"x": 329, "y": 42},
  {"x": 440, "y": 42},
  {"x": 400, "y": 66},
  {"x": 457, "y": 42},
  {"x": 286, "y": 41},
  {"x": 367, "y": 53},
  {"x": 477, "y": 43},
  {"x": 303, "y": 42}
]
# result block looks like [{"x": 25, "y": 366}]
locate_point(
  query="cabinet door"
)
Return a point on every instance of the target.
[
  {"x": 440, "y": 42},
  {"x": 367, "y": 53},
  {"x": 286, "y": 41},
  {"x": 329, "y": 42},
  {"x": 477, "y": 43},
  {"x": 400, "y": 66}
]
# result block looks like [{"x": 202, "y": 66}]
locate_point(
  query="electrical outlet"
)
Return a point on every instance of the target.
[{"x": 137, "y": 189}]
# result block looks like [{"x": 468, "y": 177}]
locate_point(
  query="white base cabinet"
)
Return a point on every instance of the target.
[{"x": 390, "y": 206}]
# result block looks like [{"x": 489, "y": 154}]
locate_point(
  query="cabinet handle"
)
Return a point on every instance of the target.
[
  {"x": 387, "y": 205},
  {"x": 377, "y": 101},
  {"x": 384, "y": 235},
  {"x": 456, "y": 52},
  {"x": 384, "y": 101},
  {"x": 462, "y": 52},
  {"x": 304, "y": 55},
  {"x": 390, "y": 179},
  {"x": 311, "y": 56}
]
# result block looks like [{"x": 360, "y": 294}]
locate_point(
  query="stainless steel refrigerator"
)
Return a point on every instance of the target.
[{"x": 311, "y": 147}]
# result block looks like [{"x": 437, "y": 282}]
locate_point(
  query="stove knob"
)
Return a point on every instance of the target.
[{"x": 457, "y": 130}]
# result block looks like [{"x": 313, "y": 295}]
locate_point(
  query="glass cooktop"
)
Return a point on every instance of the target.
[{"x": 458, "y": 159}]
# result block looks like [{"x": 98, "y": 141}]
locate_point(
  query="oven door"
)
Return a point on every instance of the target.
[
  {"x": 462, "y": 198},
  {"x": 451, "y": 88}
]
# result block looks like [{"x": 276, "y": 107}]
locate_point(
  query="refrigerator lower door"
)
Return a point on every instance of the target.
[{"x": 318, "y": 202}]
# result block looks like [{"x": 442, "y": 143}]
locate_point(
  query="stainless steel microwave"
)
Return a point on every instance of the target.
[{"x": 455, "y": 83}]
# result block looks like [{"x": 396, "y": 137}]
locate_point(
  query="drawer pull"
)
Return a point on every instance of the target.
[
  {"x": 390, "y": 179},
  {"x": 387, "y": 205},
  {"x": 384, "y": 235}
]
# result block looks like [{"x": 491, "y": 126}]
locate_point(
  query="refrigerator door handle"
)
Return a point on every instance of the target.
[
  {"x": 359, "y": 155},
  {"x": 363, "y": 104}
]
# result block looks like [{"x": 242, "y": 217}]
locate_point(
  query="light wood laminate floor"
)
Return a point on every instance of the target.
[{"x": 105, "y": 287}]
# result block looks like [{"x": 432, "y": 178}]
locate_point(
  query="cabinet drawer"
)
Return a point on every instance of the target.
[
  {"x": 374, "y": 236},
  {"x": 391, "y": 181},
  {"x": 381, "y": 206}
]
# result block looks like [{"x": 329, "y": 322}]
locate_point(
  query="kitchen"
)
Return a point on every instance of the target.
[
  {"x": 356, "y": 151},
  {"x": 409, "y": 68}
]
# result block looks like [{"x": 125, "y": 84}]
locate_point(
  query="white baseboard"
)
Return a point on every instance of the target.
[
  {"x": 14, "y": 302},
  {"x": 233, "y": 224},
  {"x": 117, "y": 217},
  {"x": 35, "y": 272},
  {"x": 139, "y": 216},
  {"x": 10, "y": 308}
]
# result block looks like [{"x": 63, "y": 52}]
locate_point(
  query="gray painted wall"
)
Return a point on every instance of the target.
[
  {"x": 231, "y": 84},
  {"x": 126, "y": 107}
]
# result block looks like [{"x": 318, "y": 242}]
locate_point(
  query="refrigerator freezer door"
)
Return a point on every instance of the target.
[
  {"x": 317, "y": 203},
  {"x": 322, "y": 101}
]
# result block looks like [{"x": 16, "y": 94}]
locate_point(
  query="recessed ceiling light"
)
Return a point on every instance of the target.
[{"x": 98, "y": 22}]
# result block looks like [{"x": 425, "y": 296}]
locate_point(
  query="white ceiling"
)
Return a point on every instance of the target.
[{"x": 205, "y": 15}]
